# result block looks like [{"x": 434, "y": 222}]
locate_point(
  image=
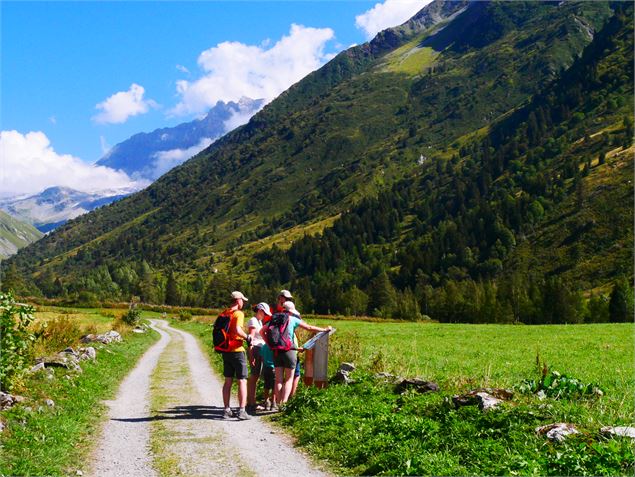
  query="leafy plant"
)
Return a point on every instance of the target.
[
  {"x": 132, "y": 316},
  {"x": 16, "y": 339}
]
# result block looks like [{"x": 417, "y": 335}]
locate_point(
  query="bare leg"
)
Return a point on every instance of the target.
[
  {"x": 252, "y": 381},
  {"x": 242, "y": 392},
  {"x": 287, "y": 384},
  {"x": 278, "y": 386},
  {"x": 227, "y": 391},
  {"x": 294, "y": 386}
]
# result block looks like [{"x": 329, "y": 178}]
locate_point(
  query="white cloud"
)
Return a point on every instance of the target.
[
  {"x": 105, "y": 147},
  {"x": 122, "y": 105},
  {"x": 232, "y": 69},
  {"x": 388, "y": 14},
  {"x": 166, "y": 160},
  {"x": 30, "y": 165},
  {"x": 182, "y": 69}
]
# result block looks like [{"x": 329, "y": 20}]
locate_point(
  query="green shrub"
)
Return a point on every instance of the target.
[
  {"x": 132, "y": 316},
  {"x": 185, "y": 315},
  {"x": 15, "y": 339}
]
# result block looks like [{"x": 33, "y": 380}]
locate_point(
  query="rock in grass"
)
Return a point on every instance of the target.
[
  {"x": 558, "y": 431},
  {"x": 342, "y": 375},
  {"x": 2, "y": 426},
  {"x": 37, "y": 367},
  {"x": 348, "y": 367},
  {"x": 416, "y": 384},
  {"x": 620, "y": 431},
  {"x": 486, "y": 398},
  {"x": 106, "y": 338},
  {"x": 8, "y": 400},
  {"x": 87, "y": 353},
  {"x": 61, "y": 360},
  {"x": 50, "y": 403}
]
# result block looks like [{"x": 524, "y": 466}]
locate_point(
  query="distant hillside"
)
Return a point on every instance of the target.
[
  {"x": 432, "y": 158},
  {"x": 150, "y": 155},
  {"x": 15, "y": 235},
  {"x": 56, "y": 205}
]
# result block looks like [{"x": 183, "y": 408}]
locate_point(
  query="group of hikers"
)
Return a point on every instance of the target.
[{"x": 272, "y": 352}]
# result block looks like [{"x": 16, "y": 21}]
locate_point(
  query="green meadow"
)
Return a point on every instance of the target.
[{"x": 366, "y": 428}]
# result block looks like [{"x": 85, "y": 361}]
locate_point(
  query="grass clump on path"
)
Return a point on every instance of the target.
[{"x": 44, "y": 440}]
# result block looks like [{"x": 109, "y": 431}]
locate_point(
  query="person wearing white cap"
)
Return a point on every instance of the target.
[
  {"x": 263, "y": 314},
  {"x": 234, "y": 360},
  {"x": 284, "y": 295},
  {"x": 285, "y": 362}
]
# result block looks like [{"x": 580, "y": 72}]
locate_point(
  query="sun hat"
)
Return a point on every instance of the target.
[
  {"x": 286, "y": 293},
  {"x": 236, "y": 295},
  {"x": 264, "y": 307}
]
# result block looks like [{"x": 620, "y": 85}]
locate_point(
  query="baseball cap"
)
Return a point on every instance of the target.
[
  {"x": 289, "y": 306},
  {"x": 264, "y": 307},
  {"x": 286, "y": 294},
  {"x": 237, "y": 295}
]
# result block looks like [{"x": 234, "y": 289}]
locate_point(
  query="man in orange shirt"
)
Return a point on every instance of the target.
[{"x": 234, "y": 360}]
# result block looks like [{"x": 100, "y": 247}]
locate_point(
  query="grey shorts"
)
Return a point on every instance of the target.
[
  {"x": 235, "y": 365},
  {"x": 269, "y": 377},
  {"x": 286, "y": 359},
  {"x": 256, "y": 369}
]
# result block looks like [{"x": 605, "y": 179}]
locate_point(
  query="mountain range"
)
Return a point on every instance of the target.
[
  {"x": 150, "y": 155},
  {"x": 474, "y": 151},
  {"x": 144, "y": 156}
]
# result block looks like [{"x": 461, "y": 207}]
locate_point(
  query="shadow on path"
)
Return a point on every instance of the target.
[{"x": 181, "y": 412}]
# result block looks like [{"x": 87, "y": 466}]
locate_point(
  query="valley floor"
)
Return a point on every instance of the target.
[{"x": 167, "y": 420}]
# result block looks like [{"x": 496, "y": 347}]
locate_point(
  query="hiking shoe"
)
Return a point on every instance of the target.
[
  {"x": 228, "y": 414},
  {"x": 243, "y": 416},
  {"x": 250, "y": 409},
  {"x": 274, "y": 407}
]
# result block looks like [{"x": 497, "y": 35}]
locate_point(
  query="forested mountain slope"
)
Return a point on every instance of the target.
[
  {"x": 15, "y": 235},
  {"x": 405, "y": 116}
]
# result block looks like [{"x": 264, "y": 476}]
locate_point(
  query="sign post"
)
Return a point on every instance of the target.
[{"x": 317, "y": 359}]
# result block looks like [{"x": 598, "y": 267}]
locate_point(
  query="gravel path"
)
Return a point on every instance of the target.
[{"x": 171, "y": 404}]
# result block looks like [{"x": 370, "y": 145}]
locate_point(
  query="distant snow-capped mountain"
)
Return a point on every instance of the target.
[
  {"x": 150, "y": 155},
  {"x": 55, "y": 205}
]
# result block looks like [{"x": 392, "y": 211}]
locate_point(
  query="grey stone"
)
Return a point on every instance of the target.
[
  {"x": 484, "y": 398},
  {"x": 50, "y": 403},
  {"x": 620, "y": 431},
  {"x": 2, "y": 426},
  {"x": 342, "y": 377},
  {"x": 37, "y": 367},
  {"x": 138, "y": 330},
  {"x": 416, "y": 384},
  {"x": 70, "y": 351},
  {"x": 87, "y": 353},
  {"x": 487, "y": 401},
  {"x": 557, "y": 432},
  {"x": 8, "y": 400},
  {"x": 387, "y": 377},
  {"x": 348, "y": 367}
]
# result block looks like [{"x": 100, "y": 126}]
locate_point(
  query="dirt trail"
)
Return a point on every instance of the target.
[{"x": 167, "y": 419}]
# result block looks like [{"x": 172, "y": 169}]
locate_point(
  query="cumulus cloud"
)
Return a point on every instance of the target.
[
  {"x": 388, "y": 14},
  {"x": 166, "y": 160},
  {"x": 120, "y": 106},
  {"x": 232, "y": 69},
  {"x": 30, "y": 165}
]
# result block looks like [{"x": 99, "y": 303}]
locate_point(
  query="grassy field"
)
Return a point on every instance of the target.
[
  {"x": 366, "y": 428},
  {"x": 43, "y": 440}
]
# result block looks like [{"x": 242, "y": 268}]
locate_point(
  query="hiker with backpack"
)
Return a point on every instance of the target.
[
  {"x": 254, "y": 354},
  {"x": 285, "y": 295},
  {"x": 228, "y": 337},
  {"x": 278, "y": 335}
]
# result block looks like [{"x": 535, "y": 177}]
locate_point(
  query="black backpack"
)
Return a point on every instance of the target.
[
  {"x": 277, "y": 336},
  {"x": 220, "y": 334}
]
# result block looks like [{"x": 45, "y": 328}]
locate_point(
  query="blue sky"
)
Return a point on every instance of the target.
[{"x": 61, "y": 59}]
